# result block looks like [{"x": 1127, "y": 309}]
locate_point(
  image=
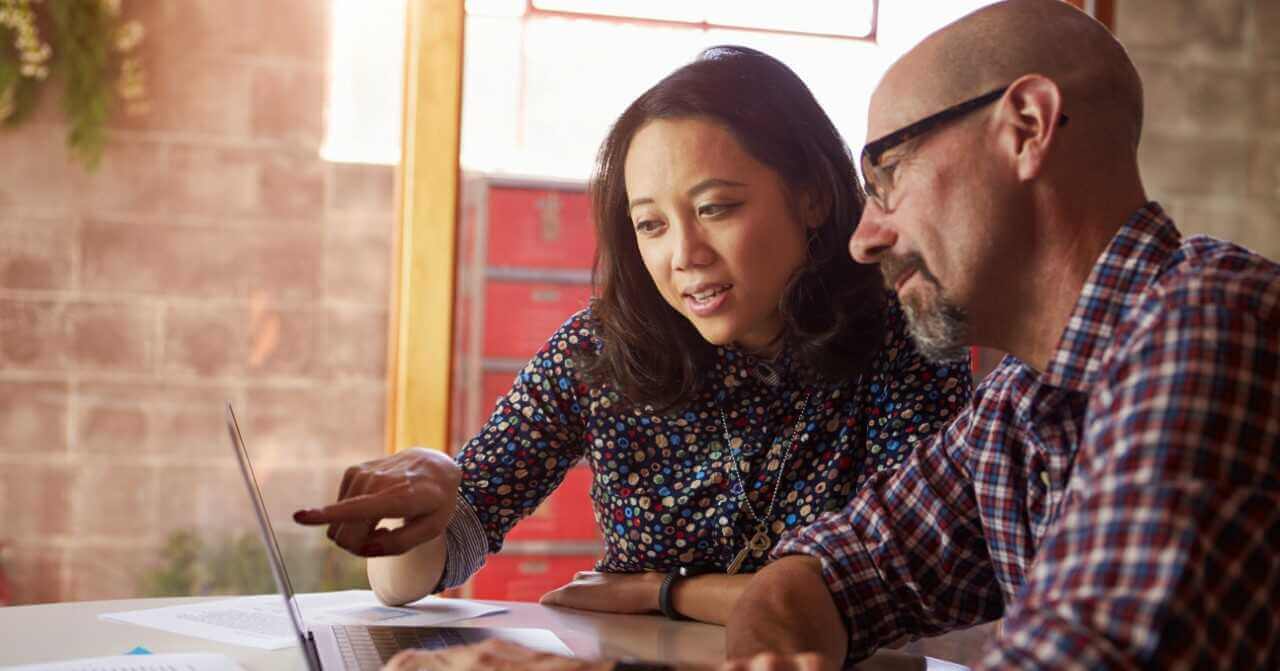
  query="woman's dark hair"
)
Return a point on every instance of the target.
[{"x": 832, "y": 308}]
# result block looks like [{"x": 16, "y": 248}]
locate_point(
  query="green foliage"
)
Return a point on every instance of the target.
[
  {"x": 83, "y": 31},
  {"x": 93, "y": 55},
  {"x": 238, "y": 565},
  {"x": 17, "y": 93},
  {"x": 178, "y": 575}
]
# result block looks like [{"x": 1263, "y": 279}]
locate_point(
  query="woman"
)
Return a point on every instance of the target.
[{"x": 737, "y": 375}]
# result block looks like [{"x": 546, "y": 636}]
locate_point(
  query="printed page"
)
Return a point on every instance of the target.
[
  {"x": 197, "y": 661},
  {"x": 262, "y": 622}
]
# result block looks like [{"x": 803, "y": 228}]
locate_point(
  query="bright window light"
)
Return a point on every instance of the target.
[
  {"x": 496, "y": 7},
  {"x": 541, "y": 88},
  {"x": 366, "y": 67},
  {"x": 847, "y": 18}
]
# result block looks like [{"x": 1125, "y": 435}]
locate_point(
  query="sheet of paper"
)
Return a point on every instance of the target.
[
  {"x": 262, "y": 622},
  {"x": 542, "y": 640},
  {"x": 932, "y": 664},
  {"x": 427, "y": 612},
  {"x": 195, "y": 661}
]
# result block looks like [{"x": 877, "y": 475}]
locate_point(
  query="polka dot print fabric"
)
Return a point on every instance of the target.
[{"x": 663, "y": 491}]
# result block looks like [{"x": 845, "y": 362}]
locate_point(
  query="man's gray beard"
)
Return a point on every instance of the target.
[{"x": 939, "y": 331}]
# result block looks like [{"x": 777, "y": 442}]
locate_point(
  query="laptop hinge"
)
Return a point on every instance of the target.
[{"x": 311, "y": 653}]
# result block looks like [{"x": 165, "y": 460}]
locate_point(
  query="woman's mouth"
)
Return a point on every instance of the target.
[{"x": 707, "y": 299}]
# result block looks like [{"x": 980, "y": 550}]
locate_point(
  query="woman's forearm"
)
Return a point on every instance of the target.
[
  {"x": 708, "y": 598},
  {"x": 401, "y": 579}
]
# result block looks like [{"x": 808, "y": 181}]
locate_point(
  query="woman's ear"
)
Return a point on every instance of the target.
[{"x": 815, "y": 207}]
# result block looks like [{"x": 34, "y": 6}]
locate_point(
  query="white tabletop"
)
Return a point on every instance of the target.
[
  {"x": 62, "y": 631},
  {"x": 53, "y": 632}
]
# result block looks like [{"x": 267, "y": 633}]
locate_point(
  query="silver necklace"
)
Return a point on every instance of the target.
[{"x": 760, "y": 541}]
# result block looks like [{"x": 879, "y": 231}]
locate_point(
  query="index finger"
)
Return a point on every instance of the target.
[{"x": 362, "y": 508}]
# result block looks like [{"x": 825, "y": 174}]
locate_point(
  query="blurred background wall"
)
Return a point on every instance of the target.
[
  {"x": 212, "y": 256},
  {"x": 1211, "y": 145},
  {"x": 215, "y": 255}
]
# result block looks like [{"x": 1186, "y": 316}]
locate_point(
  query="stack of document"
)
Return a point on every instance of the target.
[
  {"x": 195, "y": 661},
  {"x": 262, "y": 622}
]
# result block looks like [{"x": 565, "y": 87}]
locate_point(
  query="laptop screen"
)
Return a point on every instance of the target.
[{"x": 278, "y": 570}]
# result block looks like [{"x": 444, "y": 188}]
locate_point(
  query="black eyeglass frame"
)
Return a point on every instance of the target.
[{"x": 874, "y": 150}]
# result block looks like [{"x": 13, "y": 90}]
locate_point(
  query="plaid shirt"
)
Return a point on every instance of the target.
[{"x": 1120, "y": 509}]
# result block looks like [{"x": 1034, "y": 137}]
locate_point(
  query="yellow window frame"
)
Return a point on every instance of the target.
[{"x": 420, "y": 329}]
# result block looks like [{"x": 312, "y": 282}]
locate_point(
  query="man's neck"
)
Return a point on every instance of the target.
[{"x": 1067, "y": 249}]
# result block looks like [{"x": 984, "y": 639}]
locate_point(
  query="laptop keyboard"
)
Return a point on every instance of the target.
[{"x": 365, "y": 647}]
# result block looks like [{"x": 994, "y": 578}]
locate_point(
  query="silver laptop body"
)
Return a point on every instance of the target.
[{"x": 352, "y": 647}]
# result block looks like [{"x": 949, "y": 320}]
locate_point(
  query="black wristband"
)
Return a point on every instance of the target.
[
  {"x": 664, "y": 596},
  {"x": 632, "y": 665}
]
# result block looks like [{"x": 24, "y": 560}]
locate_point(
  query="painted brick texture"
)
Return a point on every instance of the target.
[
  {"x": 1211, "y": 143},
  {"x": 213, "y": 256}
]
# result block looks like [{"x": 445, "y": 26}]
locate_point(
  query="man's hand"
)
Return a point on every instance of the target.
[
  {"x": 418, "y": 485},
  {"x": 491, "y": 655},
  {"x": 770, "y": 662},
  {"x": 499, "y": 655},
  {"x": 786, "y": 609},
  {"x": 608, "y": 592}
]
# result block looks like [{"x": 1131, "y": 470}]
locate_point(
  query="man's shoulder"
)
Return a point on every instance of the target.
[
  {"x": 1206, "y": 272},
  {"x": 997, "y": 393}
]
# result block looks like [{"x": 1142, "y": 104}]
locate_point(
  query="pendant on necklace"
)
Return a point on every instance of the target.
[
  {"x": 759, "y": 542},
  {"x": 736, "y": 564}
]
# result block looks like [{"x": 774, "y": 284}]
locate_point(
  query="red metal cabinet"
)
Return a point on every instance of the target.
[
  {"x": 520, "y": 316},
  {"x": 525, "y": 258},
  {"x": 539, "y": 228},
  {"x": 525, "y": 577},
  {"x": 495, "y": 386}
]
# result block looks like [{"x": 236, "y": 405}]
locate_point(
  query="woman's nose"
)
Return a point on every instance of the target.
[{"x": 691, "y": 248}]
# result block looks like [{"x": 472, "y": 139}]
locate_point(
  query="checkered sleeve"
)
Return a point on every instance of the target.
[
  {"x": 906, "y": 556},
  {"x": 1166, "y": 553}
]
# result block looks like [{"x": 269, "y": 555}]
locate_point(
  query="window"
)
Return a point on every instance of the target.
[{"x": 544, "y": 79}]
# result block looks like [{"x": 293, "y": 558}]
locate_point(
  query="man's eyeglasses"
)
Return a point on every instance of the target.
[{"x": 876, "y": 177}]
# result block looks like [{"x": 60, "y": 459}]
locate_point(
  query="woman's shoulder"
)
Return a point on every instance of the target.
[
  {"x": 895, "y": 321},
  {"x": 579, "y": 333},
  {"x": 896, "y": 342},
  {"x": 898, "y": 354}
]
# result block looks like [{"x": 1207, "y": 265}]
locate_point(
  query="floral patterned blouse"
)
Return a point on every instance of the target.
[{"x": 663, "y": 489}]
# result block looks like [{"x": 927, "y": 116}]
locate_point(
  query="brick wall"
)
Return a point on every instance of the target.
[
  {"x": 212, "y": 256},
  {"x": 1211, "y": 145}
]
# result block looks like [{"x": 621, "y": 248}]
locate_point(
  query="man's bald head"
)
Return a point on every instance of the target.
[{"x": 998, "y": 44}]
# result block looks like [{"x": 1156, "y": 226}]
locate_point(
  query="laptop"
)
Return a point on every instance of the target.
[{"x": 352, "y": 647}]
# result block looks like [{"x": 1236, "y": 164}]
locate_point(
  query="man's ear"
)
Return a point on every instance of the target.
[{"x": 1030, "y": 114}]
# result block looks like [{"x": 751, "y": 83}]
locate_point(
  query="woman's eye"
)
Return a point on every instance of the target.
[
  {"x": 713, "y": 209},
  {"x": 648, "y": 226}
]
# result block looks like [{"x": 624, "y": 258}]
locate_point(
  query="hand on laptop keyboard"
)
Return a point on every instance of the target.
[
  {"x": 491, "y": 655},
  {"x": 499, "y": 655}
]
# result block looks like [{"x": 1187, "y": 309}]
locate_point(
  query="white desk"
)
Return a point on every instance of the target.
[{"x": 52, "y": 632}]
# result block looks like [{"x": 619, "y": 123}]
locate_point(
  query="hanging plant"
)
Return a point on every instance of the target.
[{"x": 93, "y": 52}]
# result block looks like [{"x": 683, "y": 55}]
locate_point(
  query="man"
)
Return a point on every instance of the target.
[{"x": 1113, "y": 491}]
